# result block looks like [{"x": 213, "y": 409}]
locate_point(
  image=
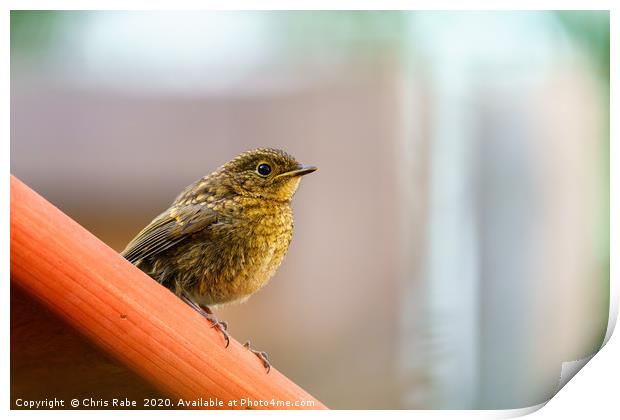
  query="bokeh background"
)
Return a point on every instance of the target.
[{"x": 451, "y": 252}]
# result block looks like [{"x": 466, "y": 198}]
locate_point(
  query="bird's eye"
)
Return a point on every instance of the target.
[{"x": 263, "y": 169}]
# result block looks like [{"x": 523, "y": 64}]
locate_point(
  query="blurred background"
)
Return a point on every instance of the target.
[{"x": 451, "y": 252}]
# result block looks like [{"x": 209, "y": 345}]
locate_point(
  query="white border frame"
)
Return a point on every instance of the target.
[{"x": 593, "y": 392}]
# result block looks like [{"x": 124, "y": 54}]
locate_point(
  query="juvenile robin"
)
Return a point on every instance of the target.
[{"x": 225, "y": 235}]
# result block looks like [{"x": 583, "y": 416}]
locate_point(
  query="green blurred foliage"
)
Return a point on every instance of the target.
[
  {"x": 590, "y": 29},
  {"x": 31, "y": 31},
  {"x": 350, "y": 29}
]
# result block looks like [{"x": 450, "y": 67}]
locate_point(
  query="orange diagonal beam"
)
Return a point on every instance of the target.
[{"x": 130, "y": 316}]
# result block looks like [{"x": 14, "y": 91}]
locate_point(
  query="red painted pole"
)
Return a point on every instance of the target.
[{"x": 132, "y": 317}]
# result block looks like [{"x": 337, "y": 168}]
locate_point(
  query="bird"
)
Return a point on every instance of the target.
[{"x": 225, "y": 235}]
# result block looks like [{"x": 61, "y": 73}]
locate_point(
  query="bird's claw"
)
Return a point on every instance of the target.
[
  {"x": 222, "y": 327},
  {"x": 260, "y": 354},
  {"x": 206, "y": 312}
]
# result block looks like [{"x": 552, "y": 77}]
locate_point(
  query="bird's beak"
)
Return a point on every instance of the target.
[{"x": 304, "y": 170}]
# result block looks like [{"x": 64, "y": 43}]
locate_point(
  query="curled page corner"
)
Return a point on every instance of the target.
[
  {"x": 520, "y": 412},
  {"x": 570, "y": 369}
]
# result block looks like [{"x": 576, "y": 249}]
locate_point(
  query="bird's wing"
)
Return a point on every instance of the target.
[{"x": 168, "y": 229}]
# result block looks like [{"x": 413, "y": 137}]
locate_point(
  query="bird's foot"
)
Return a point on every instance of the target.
[
  {"x": 260, "y": 354},
  {"x": 206, "y": 312},
  {"x": 211, "y": 317},
  {"x": 220, "y": 325}
]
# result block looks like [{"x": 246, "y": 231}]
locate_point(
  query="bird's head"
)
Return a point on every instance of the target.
[{"x": 265, "y": 173}]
